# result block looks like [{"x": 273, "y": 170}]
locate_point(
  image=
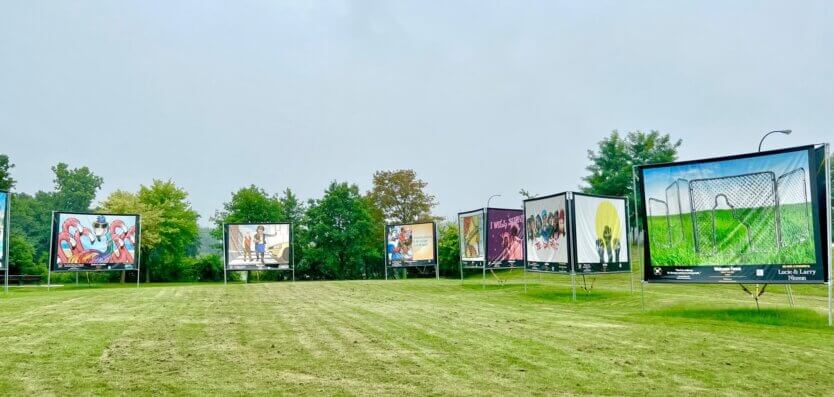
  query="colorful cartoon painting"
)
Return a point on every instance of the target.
[
  {"x": 258, "y": 246},
  {"x": 95, "y": 240}
]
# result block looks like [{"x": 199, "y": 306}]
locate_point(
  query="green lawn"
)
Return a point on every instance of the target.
[{"x": 414, "y": 337}]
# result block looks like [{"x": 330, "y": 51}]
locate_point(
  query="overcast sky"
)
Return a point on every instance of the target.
[{"x": 478, "y": 97}]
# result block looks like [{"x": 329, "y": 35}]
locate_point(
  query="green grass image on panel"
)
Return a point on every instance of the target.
[{"x": 731, "y": 244}]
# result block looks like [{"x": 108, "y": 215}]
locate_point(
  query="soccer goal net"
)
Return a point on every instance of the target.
[
  {"x": 794, "y": 208},
  {"x": 677, "y": 198},
  {"x": 659, "y": 218},
  {"x": 734, "y": 213}
]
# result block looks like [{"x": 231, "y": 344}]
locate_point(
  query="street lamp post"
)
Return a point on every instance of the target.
[
  {"x": 788, "y": 290},
  {"x": 492, "y": 197},
  {"x": 786, "y": 132},
  {"x": 486, "y": 210}
]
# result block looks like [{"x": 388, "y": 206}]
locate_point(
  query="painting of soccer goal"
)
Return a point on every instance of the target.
[{"x": 752, "y": 210}]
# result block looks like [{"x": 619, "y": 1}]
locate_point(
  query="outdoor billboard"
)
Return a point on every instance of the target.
[
  {"x": 4, "y": 229},
  {"x": 547, "y": 234},
  {"x": 472, "y": 238},
  {"x": 84, "y": 241},
  {"x": 411, "y": 245},
  {"x": 505, "y": 238},
  {"x": 258, "y": 246},
  {"x": 601, "y": 234},
  {"x": 750, "y": 218}
]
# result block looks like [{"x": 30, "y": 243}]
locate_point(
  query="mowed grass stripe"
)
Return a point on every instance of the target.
[{"x": 413, "y": 337}]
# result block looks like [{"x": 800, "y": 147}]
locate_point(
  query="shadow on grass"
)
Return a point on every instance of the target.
[
  {"x": 565, "y": 295},
  {"x": 492, "y": 287},
  {"x": 545, "y": 292},
  {"x": 801, "y": 318}
]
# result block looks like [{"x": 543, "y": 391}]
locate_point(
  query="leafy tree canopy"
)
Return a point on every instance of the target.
[
  {"x": 249, "y": 204},
  {"x": 123, "y": 202},
  {"x": 339, "y": 227},
  {"x": 6, "y": 180},
  {"x": 75, "y": 188},
  {"x": 448, "y": 247},
  {"x": 611, "y": 168},
  {"x": 401, "y": 196}
]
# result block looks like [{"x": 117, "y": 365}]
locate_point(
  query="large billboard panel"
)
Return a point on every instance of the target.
[
  {"x": 752, "y": 218},
  {"x": 601, "y": 234},
  {"x": 82, "y": 241},
  {"x": 258, "y": 246},
  {"x": 472, "y": 238},
  {"x": 411, "y": 245},
  {"x": 505, "y": 238},
  {"x": 4, "y": 228},
  {"x": 547, "y": 234}
]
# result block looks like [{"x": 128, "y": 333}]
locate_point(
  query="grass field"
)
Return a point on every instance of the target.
[
  {"x": 414, "y": 337},
  {"x": 673, "y": 242}
]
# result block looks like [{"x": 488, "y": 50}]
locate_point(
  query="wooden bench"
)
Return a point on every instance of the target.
[{"x": 20, "y": 278}]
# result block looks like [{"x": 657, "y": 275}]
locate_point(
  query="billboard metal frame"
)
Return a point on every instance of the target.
[
  {"x": 436, "y": 261},
  {"x": 226, "y": 253},
  {"x": 568, "y": 216},
  {"x": 53, "y": 249},
  {"x": 6, "y": 239},
  {"x": 823, "y": 235},
  {"x": 627, "y": 231},
  {"x": 486, "y": 264},
  {"x": 472, "y": 264},
  {"x": 816, "y": 206},
  {"x": 573, "y": 255},
  {"x": 575, "y": 245}
]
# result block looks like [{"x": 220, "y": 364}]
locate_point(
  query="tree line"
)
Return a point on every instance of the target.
[{"x": 336, "y": 236}]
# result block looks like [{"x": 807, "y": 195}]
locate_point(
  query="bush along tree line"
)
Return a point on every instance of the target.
[{"x": 337, "y": 236}]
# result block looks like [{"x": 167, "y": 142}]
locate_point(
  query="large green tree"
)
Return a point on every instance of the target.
[
  {"x": 75, "y": 188},
  {"x": 448, "y": 247},
  {"x": 169, "y": 227},
  {"x": 611, "y": 168},
  {"x": 22, "y": 256},
  {"x": 249, "y": 204},
  {"x": 293, "y": 211},
  {"x": 401, "y": 196},
  {"x": 123, "y": 202},
  {"x": 6, "y": 180},
  {"x": 31, "y": 215},
  {"x": 339, "y": 228}
]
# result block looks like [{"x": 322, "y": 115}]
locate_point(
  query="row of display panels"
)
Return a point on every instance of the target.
[
  {"x": 750, "y": 218},
  {"x": 101, "y": 242},
  {"x": 560, "y": 233}
]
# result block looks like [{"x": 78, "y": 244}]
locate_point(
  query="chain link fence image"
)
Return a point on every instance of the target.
[
  {"x": 735, "y": 213},
  {"x": 794, "y": 208}
]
